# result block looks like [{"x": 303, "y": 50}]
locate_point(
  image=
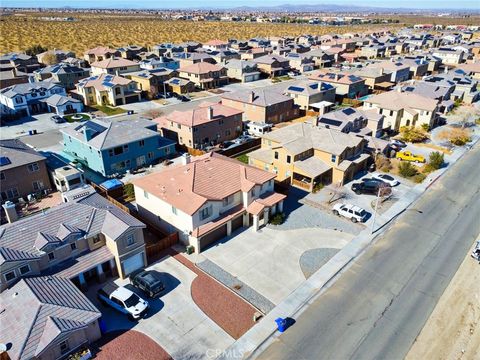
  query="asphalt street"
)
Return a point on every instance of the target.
[{"x": 378, "y": 306}]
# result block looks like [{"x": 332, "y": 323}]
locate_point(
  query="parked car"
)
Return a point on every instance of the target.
[
  {"x": 398, "y": 143},
  {"x": 368, "y": 186},
  {"x": 390, "y": 180},
  {"x": 242, "y": 139},
  {"x": 352, "y": 212},
  {"x": 149, "y": 282},
  {"x": 183, "y": 98},
  {"x": 476, "y": 251},
  {"x": 123, "y": 300},
  {"x": 57, "y": 119},
  {"x": 408, "y": 156}
]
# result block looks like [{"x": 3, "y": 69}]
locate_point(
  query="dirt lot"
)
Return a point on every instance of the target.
[{"x": 453, "y": 329}]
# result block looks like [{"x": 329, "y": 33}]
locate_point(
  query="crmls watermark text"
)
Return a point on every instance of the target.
[{"x": 228, "y": 354}]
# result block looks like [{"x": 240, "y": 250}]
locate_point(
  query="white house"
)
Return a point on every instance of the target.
[{"x": 63, "y": 105}]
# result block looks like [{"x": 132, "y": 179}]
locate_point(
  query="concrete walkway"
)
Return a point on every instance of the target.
[{"x": 263, "y": 333}]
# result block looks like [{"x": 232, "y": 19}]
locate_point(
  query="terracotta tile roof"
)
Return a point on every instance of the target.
[
  {"x": 200, "y": 68},
  {"x": 199, "y": 115},
  {"x": 100, "y": 50},
  {"x": 216, "y": 42},
  {"x": 207, "y": 177},
  {"x": 114, "y": 62},
  {"x": 394, "y": 100},
  {"x": 103, "y": 82}
]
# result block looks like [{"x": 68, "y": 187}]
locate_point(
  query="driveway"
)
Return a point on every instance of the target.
[
  {"x": 40, "y": 122},
  {"x": 268, "y": 261},
  {"x": 174, "y": 321}
]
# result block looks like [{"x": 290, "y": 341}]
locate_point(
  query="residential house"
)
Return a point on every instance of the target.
[
  {"x": 207, "y": 124},
  {"x": 222, "y": 56},
  {"x": 472, "y": 70},
  {"x": 22, "y": 170},
  {"x": 300, "y": 62},
  {"x": 440, "y": 91},
  {"x": 254, "y": 53},
  {"x": 160, "y": 63},
  {"x": 216, "y": 44},
  {"x": 375, "y": 78},
  {"x": 346, "y": 85},
  {"x": 449, "y": 56},
  {"x": 398, "y": 70},
  {"x": 63, "y": 105},
  {"x": 100, "y": 53},
  {"x": 84, "y": 239},
  {"x": 306, "y": 156},
  {"x": 47, "y": 318},
  {"x": 187, "y": 59},
  {"x": 373, "y": 51},
  {"x": 320, "y": 58},
  {"x": 264, "y": 106},
  {"x": 307, "y": 93},
  {"x": 12, "y": 77},
  {"x": 418, "y": 67},
  {"x": 131, "y": 52},
  {"x": 205, "y": 75},
  {"x": 151, "y": 82},
  {"x": 403, "y": 109},
  {"x": 59, "y": 55},
  {"x": 242, "y": 70},
  {"x": 115, "y": 147},
  {"x": 26, "y": 99},
  {"x": 465, "y": 86},
  {"x": 207, "y": 198},
  {"x": 114, "y": 66},
  {"x": 272, "y": 65},
  {"x": 65, "y": 74},
  {"x": 107, "y": 90},
  {"x": 352, "y": 120},
  {"x": 21, "y": 62},
  {"x": 179, "y": 86}
]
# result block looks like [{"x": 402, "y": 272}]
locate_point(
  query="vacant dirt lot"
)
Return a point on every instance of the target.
[{"x": 453, "y": 330}]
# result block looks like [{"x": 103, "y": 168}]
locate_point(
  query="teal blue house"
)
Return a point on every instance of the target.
[{"x": 113, "y": 147}]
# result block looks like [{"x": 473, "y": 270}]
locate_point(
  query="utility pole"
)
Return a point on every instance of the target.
[{"x": 380, "y": 189}]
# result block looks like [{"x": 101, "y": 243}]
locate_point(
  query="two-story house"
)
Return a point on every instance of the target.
[
  {"x": 83, "y": 240},
  {"x": 100, "y": 53},
  {"x": 305, "y": 155},
  {"x": 205, "y": 75},
  {"x": 152, "y": 82},
  {"x": 113, "y": 147},
  {"x": 404, "y": 109},
  {"x": 352, "y": 120},
  {"x": 398, "y": 70},
  {"x": 64, "y": 74},
  {"x": 59, "y": 56},
  {"x": 114, "y": 66},
  {"x": 300, "y": 61},
  {"x": 272, "y": 65},
  {"x": 346, "y": 85},
  {"x": 242, "y": 70},
  {"x": 264, "y": 106},
  {"x": 107, "y": 90},
  {"x": 449, "y": 56},
  {"x": 23, "y": 171},
  {"x": 306, "y": 93},
  {"x": 207, "y": 198},
  {"x": 131, "y": 52},
  {"x": 20, "y": 62},
  {"x": 207, "y": 124},
  {"x": 26, "y": 99}
]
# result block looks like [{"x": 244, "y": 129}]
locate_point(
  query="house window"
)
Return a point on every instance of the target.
[
  {"x": 205, "y": 213},
  {"x": 179, "y": 126},
  {"x": 10, "y": 194},
  {"x": 253, "y": 191},
  {"x": 141, "y": 143},
  {"x": 391, "y": 112},
  {"x": 64, "y": 347},
  {"x": 18, "y": 100},
  {"x": 150, "y": 155},
  {"x": 228, "y": 200},
  {"x": 33, "y": 167},
  {"x": 25, "y": 269},
  {"x": 227, "y": 133},
  {"x": 145, "y": 194},
  {"x": 118, "y": 91},
  {"x": 10, "y": 276},
  {"x": 174, "y": 210},
  {"x": 334, "y": 158},
  {"x": 289, "y": 159},
  {"x": 130, "y": 240},
  {"x": 96, "y": 239},
  {"x": 73, "y": 246},
  {"x": 125, "y": 148},
  {"x": 37, "y": 185},
  {"x": 2, "y": 176},
  {"x": 51, "y": 256},
  {"x": 276, "y": 155}
]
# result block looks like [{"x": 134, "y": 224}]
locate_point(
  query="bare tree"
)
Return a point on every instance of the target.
[{"x": 338, "y": 192}]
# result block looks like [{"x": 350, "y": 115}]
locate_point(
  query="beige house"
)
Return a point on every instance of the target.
[
  {"x": 306, "y": 156},
  {"x": 306, "y": 93},
  {"x": 209, "y": 123},
  {"x": 205, "y": 75},
  {"x": 207, "y": 198},
  {"x": 403, "y": 109},
  {"x": 242, "y": 70},
  {"x": 107, "y": 90},
  {"x": 272, "y": 65},
  {"x": 100, "y": 53},
  {"x": 264, "y": 106},
  {"x": 346, "y": 85},
  {"x": 85, "y": 240},
  {"x": 114, "y": 66}
]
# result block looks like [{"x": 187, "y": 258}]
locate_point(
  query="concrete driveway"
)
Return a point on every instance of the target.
[
  {"x": 268, "y": 261},
  {"x": 40, "y": 122},
  {"x": 174, "y": 322}
]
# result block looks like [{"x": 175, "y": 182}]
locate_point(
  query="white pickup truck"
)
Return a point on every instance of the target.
[{"x": 123, "y": 300}]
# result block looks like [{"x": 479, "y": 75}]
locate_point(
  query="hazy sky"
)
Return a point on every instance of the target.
[{"x": 425, "y": 4}]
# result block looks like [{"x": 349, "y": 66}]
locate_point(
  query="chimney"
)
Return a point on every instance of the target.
[
  {"x": 251, "y": 98},
  {"x": 210, "y": 113},
  {"x": 10, "y": 211},
  {"x": 186, "y": 159}
]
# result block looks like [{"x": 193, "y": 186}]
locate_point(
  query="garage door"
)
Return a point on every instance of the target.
[
  {"x": 237, "y": 223},
  {"x": 215, "y": 235},
  {"x": 133, "y": 263}
]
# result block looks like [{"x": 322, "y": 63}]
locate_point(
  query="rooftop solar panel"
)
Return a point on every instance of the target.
[
  {"x": 108, "y": 84},
  {"x": 295, "y": 88},
  {"x": 4, "y": 161},
  {"x": 348, "y": 111},
  {"x": 175, "y": 81}
]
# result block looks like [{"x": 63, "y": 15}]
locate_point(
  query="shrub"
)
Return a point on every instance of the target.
[
  {"x": 35, "y": 50},
  {"x": 383, "y": 163},
  {"x": 425, "y": 127},
  {"x": 277, "y": 219},
  {"x": 419, "y": 178},
  {"x": 456, "y": 136},
  {"x": 318, "y": 187},
  {"x": 406, "y": 169},
  {"x": 50, "y": 59},
  {"x": 436, "y": 160},
  {"x": 128, "y": 191},
  {"x": 413, "y": 134}
]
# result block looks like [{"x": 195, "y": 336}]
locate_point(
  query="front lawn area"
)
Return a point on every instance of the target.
[
  {"x": 107, "y": 110},
  {"x": 243, "y": 158},
  {"x": 70, "y": 118}
]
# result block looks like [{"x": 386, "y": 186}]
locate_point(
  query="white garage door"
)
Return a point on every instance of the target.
[{"x": 133, "y": 263}]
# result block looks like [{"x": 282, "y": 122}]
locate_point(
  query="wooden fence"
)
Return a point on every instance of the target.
[{"x": 156, "y": 250}]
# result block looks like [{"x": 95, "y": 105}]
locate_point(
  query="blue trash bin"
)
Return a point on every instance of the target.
[
  {"x": 281, "y": 324},
  {"x": 30, "y": 132}
]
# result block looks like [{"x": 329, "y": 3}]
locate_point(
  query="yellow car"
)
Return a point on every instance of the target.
[{"x": 408, "y": 156}]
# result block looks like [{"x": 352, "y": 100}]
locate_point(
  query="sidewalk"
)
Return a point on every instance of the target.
[{"x": 265, "y": 332}]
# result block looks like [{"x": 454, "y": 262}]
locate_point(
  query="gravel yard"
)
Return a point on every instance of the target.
[{"x": 312, "y": 260}]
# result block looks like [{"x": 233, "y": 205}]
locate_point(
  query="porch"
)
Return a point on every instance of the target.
[{"x": 311, "y": 172}]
